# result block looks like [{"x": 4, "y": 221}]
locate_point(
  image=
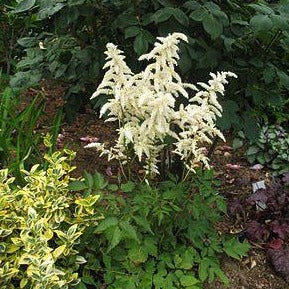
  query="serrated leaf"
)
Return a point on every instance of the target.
[
  {"x": 137, "y": 254},
  {"x": 235, "y": 249},
  {"x": 107, "y": 223},
  {"x": 141, "y": 221},
  {"x": 128, "y": 187},
  {"x": 129, "y": 231},
  {"x": 187, "y": 281},
  {"x": 115, "y": 240},
  {"x": 76, "y": 186}
]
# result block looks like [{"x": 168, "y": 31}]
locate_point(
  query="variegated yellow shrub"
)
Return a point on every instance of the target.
[{"x": 40, "y": 224}]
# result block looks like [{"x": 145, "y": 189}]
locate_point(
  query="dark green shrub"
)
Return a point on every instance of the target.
[{"x": 249, "y": 38}]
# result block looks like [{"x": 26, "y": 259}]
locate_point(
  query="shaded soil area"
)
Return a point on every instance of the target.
[{"x": 231, "y": 168}]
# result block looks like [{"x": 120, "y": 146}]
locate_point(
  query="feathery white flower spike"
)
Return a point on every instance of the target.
[{"x": 144, "y": 104}]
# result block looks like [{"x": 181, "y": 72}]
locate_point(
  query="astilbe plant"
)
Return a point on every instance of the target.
[
  {"x": 40, "y": 225},
  {"x": 145, "y": 106}
]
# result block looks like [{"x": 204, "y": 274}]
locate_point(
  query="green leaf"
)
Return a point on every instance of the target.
[
  {"x": 212, "y": 25},
  {"x": 252, "y": 150},
  {"x": 128, "y": 187},
  {"x": 235, "y": 249},
  {"x": 187, "y": 281},
  {"x": 24, "y": 5},
  {"x": 80, "y": 285},
  {"x": 129, "y": 231},
  {"x": 143, "y": 222},
  {"x": 198, "y": 14},
  {"x": 221, "y": 275},
  {"x": 76, "y": 186},
  {"x": 284, "y": 78},
  {"x": 261, "y": 22},
  {"x": 140, "y": 44},
  {"x": 88, "y": 280},
  {"x": 107, "y": 223},
  {"x": 204, "y": 269},
  {"x": 112, "y": 187},
  {"x": 88, "y": 179},
  {"x": 163, "y": 14},
  {"x": 131, "y": 31},
  {"x": 137, "y": 254},
  {"x": 237, "y": 143},
  {"x": 181, "y": 17},
  {"x": 116, "y": 238},
  {"x": 125, "y": 20}
]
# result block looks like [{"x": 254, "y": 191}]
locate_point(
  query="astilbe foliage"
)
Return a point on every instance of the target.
[
  {"x": 40, "y": 224},
  {"x": 145, "y": 106}
]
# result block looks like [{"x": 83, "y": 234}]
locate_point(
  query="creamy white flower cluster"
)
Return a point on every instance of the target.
[{"x": 144, "y": 104}]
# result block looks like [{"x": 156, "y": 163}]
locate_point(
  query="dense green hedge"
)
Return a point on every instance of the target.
[{"x": 248, "y": 37}]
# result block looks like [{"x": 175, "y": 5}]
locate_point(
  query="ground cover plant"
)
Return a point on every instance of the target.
[{"x": 265, "y": 217}]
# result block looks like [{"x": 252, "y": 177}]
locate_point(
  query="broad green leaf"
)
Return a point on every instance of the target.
[
  {"x": 212, "y": 25},
  {"x": 252, "y": 150},
  {"x": 76, "y": 186},
  {"x": 187, "y": 281},
  {"x": 163, "y": 14},
  {"x": 261, "y": 22},
  {"x": 181, "y": 17},
  {"x": 140, "y": 44},
  {"x": 24, "y": 5},
  {"x": 131, "y": 31},
  {"x": 88, "y": 178},
  {"x": 204, "y": 269}
]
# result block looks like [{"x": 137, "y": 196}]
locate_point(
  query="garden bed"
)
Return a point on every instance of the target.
[{"x": 231, "y": 168}]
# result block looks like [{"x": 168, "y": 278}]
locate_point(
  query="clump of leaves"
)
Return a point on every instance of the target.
[
  {"x": 267, "y": 215},
  {"x": 40, "y": 225},
  {"x": 158, "y": 237},
  {"x": 271, "y": 148}
]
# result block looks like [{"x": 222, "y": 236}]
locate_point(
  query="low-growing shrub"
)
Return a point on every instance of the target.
[
  {"x": 40, "y": 225},
  {"x": 271, "y": 149},
  {"x": 157, "y": 237}
]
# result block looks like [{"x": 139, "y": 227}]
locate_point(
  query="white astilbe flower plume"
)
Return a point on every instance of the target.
[{"x": 145, "y": 106}]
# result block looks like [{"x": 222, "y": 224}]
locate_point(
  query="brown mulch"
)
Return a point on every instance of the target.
[{"x": 253, "y": 272}]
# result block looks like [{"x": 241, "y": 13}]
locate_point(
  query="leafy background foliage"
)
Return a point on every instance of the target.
[{"x": 248, "y": 37}]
